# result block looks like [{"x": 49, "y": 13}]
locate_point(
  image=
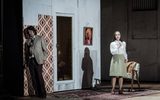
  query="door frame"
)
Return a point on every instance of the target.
[{"x": 62, "y": 85}]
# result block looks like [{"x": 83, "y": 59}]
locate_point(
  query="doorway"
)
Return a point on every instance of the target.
[{"x": 64, "y": 48}]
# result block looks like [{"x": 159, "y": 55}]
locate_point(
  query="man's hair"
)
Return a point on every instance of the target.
[
  {"x": 26, "y": 33},
  {"x": 32, "y": 29}
]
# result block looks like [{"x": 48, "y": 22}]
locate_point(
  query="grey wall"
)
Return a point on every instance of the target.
[{"x": 140, "y": 29}]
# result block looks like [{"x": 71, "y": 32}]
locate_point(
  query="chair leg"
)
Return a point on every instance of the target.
[
  {"x": 97, "y": 84},
  {"x": 132, "y": 80},
  {"x": 138, "y": 80}
]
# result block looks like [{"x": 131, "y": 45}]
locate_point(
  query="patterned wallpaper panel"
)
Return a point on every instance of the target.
[{"x": 44, "y": 28}]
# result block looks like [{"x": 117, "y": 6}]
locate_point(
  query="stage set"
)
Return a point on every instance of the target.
[{"x": 69, "y": 27}]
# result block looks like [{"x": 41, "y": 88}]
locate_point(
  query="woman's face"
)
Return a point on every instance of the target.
[
  {"x": 89, "y": 33},
  {"x": 117, "y": 35}
]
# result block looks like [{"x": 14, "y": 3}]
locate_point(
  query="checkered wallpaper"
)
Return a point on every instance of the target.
[{"x": 44, "y": 28}]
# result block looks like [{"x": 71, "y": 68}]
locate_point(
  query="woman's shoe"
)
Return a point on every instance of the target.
[
  {"x": 112, "y": 92},
  {"x": 120, "y": 91}
]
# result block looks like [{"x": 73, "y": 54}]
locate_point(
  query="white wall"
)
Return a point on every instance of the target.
[
  {"x": 89, "y": 15},
  {"x": 84, "y": 13},
  {"x": 31, "y": 9}
]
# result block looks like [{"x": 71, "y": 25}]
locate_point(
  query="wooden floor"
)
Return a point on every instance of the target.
[{"x": 144, "y": 85}]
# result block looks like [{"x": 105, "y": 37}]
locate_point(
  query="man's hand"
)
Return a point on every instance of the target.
[{"x": 44, "y": 61}]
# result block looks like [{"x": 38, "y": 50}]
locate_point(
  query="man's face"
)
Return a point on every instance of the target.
[{"x": 31, "y": 33}]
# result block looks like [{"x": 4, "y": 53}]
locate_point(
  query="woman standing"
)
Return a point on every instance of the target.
[{"x": 119, "y": 58}]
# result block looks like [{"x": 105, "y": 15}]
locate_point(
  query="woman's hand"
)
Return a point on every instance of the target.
[
  {"x": 126, "y": 60},
  {"x": 119, "y": 44}
]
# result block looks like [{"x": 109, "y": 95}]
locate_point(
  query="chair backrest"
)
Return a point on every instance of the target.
[{"x": 130, "y": 67}]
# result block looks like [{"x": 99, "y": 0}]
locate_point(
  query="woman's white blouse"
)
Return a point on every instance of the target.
[{"x": 118, "y": 47}]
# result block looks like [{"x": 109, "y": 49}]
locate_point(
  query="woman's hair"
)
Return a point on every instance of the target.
[
  {"x": 32, "y": 29},
  {"x": 114, "y": 38},
  {"x": 86, "y": 51}
]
